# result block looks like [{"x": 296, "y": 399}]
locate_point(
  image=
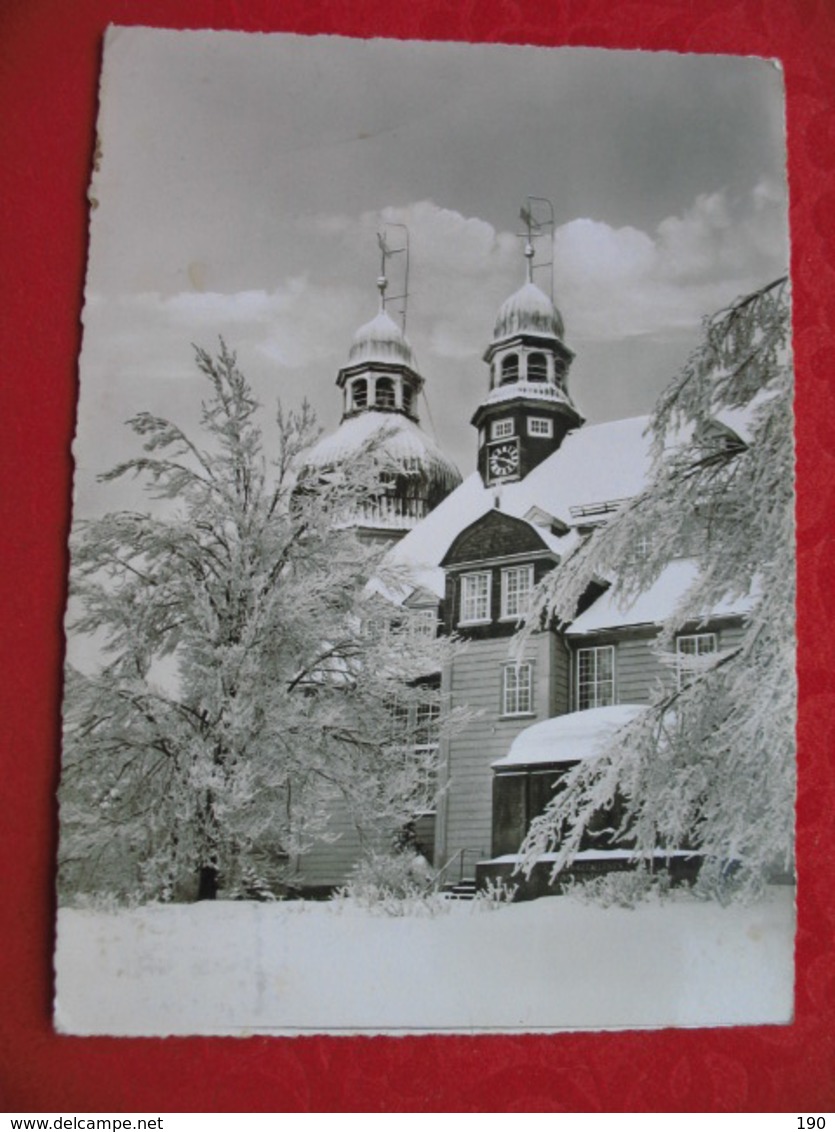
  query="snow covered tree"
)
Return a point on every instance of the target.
[
  {"x": 709, "y": 766},
  {"x": 241, "y": 694}
]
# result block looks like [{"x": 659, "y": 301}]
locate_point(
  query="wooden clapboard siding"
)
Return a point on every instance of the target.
[
  {"x": 560, "y": 682},
  {"x": 475, "y": 680},
  {"x": 329, "y": 860},
  {"x": 640, "y": 668},
  {"x": 730, "y": 635}
]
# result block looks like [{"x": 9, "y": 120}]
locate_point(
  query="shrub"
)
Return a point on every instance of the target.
[{"x": 397, "y": 884}]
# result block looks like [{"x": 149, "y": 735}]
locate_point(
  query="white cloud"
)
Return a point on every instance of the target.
[
  {"x": 622, "y": 282},
  {"x": 610, "y": 282}
]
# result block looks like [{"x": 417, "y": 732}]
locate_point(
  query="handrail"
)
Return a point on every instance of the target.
[
  {"x": 460, "y": 856},
  {"x": 439, "y": 875}
]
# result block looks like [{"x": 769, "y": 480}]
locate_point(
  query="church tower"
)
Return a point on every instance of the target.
[
  {"x": 381, "y": 387},
  {"x": 527, "y": 411}
]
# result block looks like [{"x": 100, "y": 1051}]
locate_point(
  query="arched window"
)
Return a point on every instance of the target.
[
  {"x": 408, "y": 399},
  {"x": 537, "y": 367},
  {"x": 359, "y": 394},
  {"x": 510, "y": 369},
  {"x": 385, "y": 393}
]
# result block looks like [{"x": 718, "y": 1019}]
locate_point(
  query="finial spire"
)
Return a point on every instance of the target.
[
  {"x": 529, "y": 258},
  {"x": 527, "y": 219},
  {"x": 382, "y": 281}
]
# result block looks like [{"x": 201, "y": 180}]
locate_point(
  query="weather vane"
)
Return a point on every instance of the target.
[{"x": 538, "y": 217}]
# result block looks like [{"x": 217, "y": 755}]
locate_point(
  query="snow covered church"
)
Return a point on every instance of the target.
[{"x": 476, "y": 550}]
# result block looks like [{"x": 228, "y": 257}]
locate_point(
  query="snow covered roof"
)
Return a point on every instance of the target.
[
  {"x": 400, "y": 440},
  {"x": 528, "y": 311},
  {"x": 568, "y": 738},
  {"x": 654, "y": 605},
  {"x": 741, "y": 419},
  {"x": 532, "y": 390},
  {"x": 381, "y": 340},
  {"x": 593, "y": 464}
]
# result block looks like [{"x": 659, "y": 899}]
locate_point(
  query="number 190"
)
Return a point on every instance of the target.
[{"x": 810, "y": 1122}]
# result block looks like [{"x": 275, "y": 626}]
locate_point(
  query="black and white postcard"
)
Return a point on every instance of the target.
[{"x": 431, "y": 622}]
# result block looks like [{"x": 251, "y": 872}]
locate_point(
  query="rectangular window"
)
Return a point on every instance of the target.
[
  {"x": 517, "y": 689},
  {"x": 540, "y": 426},
  {"x": 691, "y": 650},
  {"x": 398, "y": 722},
  {"x": 595, "y": 677},
  {"x": 517, "y": 586},
  {"x": 427, "y": 718},
  {"x": 502, "y": 428},
  {"x": 475, "y": 597},
  {"x": 423, "y": 623}
]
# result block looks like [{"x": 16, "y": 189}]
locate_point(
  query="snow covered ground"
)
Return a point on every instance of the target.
[{"x": 552, "y": 964}]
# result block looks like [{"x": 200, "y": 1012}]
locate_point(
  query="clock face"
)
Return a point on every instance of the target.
[{"x": 503, "y": 459}]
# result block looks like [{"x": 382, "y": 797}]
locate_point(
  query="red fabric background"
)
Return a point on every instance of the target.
[{"x": 49, "y": 59}]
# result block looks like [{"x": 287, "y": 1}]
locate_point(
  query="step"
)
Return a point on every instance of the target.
[{"x": 462, "y": 890}]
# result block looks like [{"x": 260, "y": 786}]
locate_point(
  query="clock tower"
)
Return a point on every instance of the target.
[{"x": 527, "y": 410}]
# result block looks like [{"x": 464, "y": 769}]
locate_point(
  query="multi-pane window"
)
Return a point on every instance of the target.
[
  {"x": 475, "y": 597},
  {"x": 517, "y": 689},
  {"x": 426, "y": 725},
  {"x": 517, "y": 584},
  {"x": 595, "y": 677},
  {"x": 502, "y": 428},
  {"x": 399, "y": 722},
  {"x": 414, "y": 733},
  {"x": 422, "y": 623},
  {"x": 540, "y": 426},
  {"x": 423, "y": 755},
  {"x": 691, "y": 649}
]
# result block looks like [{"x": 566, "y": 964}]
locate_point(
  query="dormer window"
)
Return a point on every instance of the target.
[
  {"x": 537, "y": 367},
  {"x": 475, "y": 598},
  {"x": 423, "y": 623},
  {"x": 359, "y": 393},
  {"x": 384, "y": 398},
  {"x": 510, "y": 369},
  {"x": 517, "y": 586}
]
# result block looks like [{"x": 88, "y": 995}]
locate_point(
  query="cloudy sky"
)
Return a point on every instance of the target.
[{"x": 243, "y": 179}]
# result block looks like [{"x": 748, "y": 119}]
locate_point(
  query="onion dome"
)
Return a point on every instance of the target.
[
  {"x": 528, "y": 311},
  {"x": 381, "y": 340}
]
